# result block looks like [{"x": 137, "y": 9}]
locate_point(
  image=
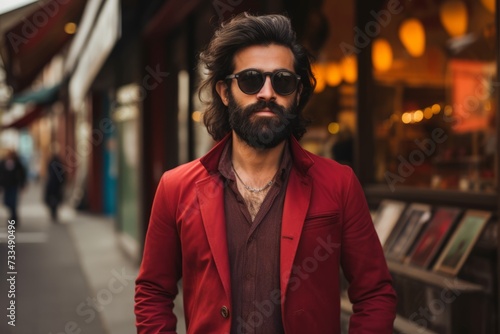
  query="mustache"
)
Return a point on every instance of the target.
[{"x": 271, "y": 105}]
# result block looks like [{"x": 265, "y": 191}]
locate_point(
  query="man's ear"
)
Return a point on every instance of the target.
[{"x": 221, "y": 88}]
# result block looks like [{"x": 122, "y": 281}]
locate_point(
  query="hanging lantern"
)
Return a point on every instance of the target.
[
  {"x": 412, "y": 35},
  {"x": 381, "y": 55},
  {"x": 489, "y": 4},
  {"x": 333, "y": 74},
  {"x": 349, "y": 67},
  {"x": 453, "y": 15},
  {"x": 319, "y": 73}
]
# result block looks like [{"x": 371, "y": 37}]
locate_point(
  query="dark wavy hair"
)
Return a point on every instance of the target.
[{"x": 242, "y": 31}]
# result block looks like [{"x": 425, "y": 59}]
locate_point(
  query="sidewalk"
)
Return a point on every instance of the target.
[
  {"x": 110, "y": 275},
  {"x": 70, "y": 275}
]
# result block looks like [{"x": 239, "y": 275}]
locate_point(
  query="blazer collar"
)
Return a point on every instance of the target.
[{"x": 302, "y": 159}]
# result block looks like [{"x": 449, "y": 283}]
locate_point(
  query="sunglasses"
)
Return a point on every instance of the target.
[{"x": 251, "y": 81}]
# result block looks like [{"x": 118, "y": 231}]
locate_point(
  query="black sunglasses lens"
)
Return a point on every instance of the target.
[
  {"x": 250, "y": 82},
  {"x": 284, "y": 82}
]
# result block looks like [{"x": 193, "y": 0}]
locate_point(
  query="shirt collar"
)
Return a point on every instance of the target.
[
  {"x": 301, "y": 159},
  {"x": 225, "y": 166}
]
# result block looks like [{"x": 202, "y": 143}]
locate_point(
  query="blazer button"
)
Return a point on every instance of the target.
[{"x": 224, "y": 311}]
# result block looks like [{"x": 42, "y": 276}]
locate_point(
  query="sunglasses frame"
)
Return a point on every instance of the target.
[{"x": 264, "y": 75}]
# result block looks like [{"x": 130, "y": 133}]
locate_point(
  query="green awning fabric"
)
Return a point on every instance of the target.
[{"x": 44, "y": 96}]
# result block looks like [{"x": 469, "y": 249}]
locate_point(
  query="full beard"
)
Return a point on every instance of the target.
[{"x": 261, "y": 132}]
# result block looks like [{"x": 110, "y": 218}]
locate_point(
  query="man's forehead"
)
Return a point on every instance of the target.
[{"x": 264, "y": 57}]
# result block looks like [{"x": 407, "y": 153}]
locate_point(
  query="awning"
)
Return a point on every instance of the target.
[
  {"x": 44, "y": 96},
  {"x": 35, "y": 104},
  {"x": 26, "y": 119},
  {"x": 31, "y": 43},
  {"x": 101, "y": 41}
]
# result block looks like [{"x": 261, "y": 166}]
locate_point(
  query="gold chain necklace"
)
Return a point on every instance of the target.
[{"x": 253, "y": 190}]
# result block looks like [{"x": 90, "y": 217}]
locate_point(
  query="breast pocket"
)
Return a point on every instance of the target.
[{"x": 322, "y": 220}]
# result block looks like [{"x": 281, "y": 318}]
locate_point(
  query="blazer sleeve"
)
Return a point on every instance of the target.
[
  {"x": 364, "y": 265},
  {"x": 161, "y": 269}
]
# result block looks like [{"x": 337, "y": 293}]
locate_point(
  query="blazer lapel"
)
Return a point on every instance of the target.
[
  {"x": 210, "y": 192},
  {"x": 295, "y": 208}
]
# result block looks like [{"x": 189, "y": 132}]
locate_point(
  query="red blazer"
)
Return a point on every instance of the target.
[{"x": 326, "y": 225}]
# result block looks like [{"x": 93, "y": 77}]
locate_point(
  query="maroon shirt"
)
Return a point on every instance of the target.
[{"x": 254, "y": 252}]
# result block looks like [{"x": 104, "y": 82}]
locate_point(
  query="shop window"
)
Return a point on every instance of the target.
[
  {"x": 332, "y": 109},
  {"x": 434, "y": 69}
]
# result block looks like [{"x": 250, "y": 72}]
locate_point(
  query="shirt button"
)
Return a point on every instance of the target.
[{"x": 224, "y": 311}]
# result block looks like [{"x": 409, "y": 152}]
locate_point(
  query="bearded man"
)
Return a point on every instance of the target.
[{"x": 258, "y": 228}]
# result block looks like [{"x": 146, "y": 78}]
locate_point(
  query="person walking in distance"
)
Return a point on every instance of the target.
[
  {"x": 12, "y": 179},
  {"x": 53, "y": 192},
  {"x": 258, "y": 228}
]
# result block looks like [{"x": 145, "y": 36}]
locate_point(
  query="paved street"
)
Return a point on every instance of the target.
[{"x": 70, "y": 275}]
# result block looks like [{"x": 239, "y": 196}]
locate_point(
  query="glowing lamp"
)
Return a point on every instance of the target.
[
  {"x": 333, "y": 74},
  {"x": 334, "y": 128},
  {"x": 319, "y": 73},
  {"x": 407, "y": 118},
  {"x": 418, "y": 116},
  {"x": 412, "y": 35},
  {"x": 453, "y": 15},
  {"x": 489, "y": 4},
  {"x": 70, "y": 28},
  {"x": 349, "y": 67},
  {"x": 197, "y": 116},
  {"x": 381, "y": 54}
]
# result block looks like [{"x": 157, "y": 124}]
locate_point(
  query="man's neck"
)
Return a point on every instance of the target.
[{"x": 254, "y": 162}]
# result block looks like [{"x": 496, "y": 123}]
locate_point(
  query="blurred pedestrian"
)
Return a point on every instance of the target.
[
  {"x": 259, "y": 228},
  {"x": 54, "y": 186},
  {"x": 12, "y": 180}
]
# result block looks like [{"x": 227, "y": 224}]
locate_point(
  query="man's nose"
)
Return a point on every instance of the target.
[{"x": 267, "y": 92}]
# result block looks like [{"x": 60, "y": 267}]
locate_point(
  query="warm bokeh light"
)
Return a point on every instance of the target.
[
  {"x": 333, "y": 128},
  {"x": 382, "y": 55},
  {"x": 319, "y": 74},
  {"x": 196, "y": 116},
  {"x": 489, "y": 4},
  {"x": 412, "y": 35},
  {"x": 448, "y": 110},
  {"x": 350, "y": 69},
  {"x": 333, "y": 74},
  {"x": 70, "y": 28},
  {"x": 453, "y": 15},
  {"x": 418, "y": 116},
  {"x": 406, "y": 118},
  {"x": 428, "y": 113},
  {"x": 436, "y": 108}
]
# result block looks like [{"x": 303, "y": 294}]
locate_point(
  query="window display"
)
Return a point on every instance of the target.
[{"x": 434, "y": 117}]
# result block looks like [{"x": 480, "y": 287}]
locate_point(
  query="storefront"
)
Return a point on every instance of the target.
[{"x": 407, "y": 94}]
